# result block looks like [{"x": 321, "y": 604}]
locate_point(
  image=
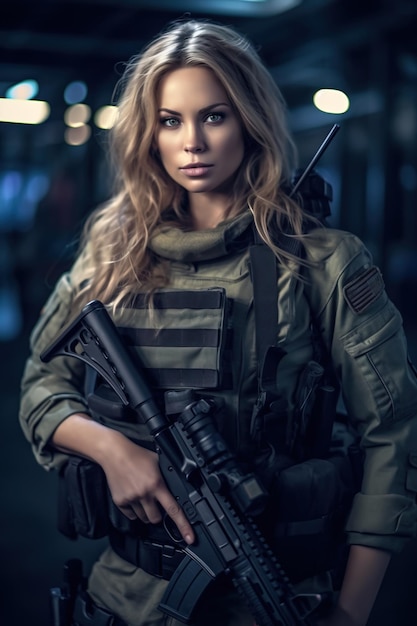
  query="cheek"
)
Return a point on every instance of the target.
[
  {"x": 165, "y": 150},
  {"x": 234, "y": 147}
]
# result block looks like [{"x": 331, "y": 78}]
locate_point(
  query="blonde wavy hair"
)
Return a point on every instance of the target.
[{"x": 115, "y": 260}]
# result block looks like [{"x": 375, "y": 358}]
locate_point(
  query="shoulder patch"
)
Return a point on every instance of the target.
[{"x": 364, "y": 289}]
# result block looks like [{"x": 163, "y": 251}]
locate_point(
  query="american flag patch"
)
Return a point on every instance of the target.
[{"x": 364, "y": 290}]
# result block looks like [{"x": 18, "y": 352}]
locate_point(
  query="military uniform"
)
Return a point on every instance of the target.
[{"x": 360, "y": 328}]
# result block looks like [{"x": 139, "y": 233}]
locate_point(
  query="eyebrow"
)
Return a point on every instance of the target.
[{"x": 208, "y": 108}]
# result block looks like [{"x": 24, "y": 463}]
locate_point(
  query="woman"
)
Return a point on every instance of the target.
[{"x": 202, "y": 152}]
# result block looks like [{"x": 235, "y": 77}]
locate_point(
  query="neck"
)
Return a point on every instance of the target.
[{"x": 208, "y": 211}]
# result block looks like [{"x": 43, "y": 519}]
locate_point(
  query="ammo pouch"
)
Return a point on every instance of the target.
[
  {"x": 83, "y": 500},
  {"x": 305, "y": 518}
]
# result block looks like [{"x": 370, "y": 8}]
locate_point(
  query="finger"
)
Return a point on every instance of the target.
[
  {"x": 178, "y": 517},
  {"x": 133, "y": 512},
  {"x": 140, "y": 513},
  {"x": 151, "y": 511},
  {"x": 128, "y": 512}
]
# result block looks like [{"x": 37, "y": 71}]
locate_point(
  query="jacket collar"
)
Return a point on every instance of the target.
[{"x": 203, "y": 245}]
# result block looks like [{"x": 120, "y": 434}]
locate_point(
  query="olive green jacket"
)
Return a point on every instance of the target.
[{"x": 361, "y": 329}]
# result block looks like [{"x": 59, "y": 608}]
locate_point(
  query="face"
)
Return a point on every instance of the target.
[{"x": 199, "y": 137}]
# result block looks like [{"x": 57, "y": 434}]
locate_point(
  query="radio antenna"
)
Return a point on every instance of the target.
[{"x": 315, "y": 158}]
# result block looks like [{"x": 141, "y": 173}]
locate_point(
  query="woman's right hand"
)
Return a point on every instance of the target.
[
  {"x": 137, "y": 486},
  {"x": 133, "y": 475}
]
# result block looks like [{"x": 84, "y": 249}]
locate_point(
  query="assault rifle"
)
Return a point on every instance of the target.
[{"x": 218, "y": 499}]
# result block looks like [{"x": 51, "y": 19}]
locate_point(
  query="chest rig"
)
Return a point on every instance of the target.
[
  {"x": 307, "y": 498},
  {"x": 188, "y": 343}
]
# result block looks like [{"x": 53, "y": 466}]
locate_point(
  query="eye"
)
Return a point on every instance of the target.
[
  {"x": 215, "y": 118},
  {"x": 169, "y": 122}
]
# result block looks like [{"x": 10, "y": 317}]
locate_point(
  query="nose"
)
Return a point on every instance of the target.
[{"x": 194, "y": 139}]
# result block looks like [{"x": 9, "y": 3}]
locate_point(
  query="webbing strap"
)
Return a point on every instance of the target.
[
  {"x": 189, "y": 328},
  {"x": 265, "y": 293},
  {"x": 208, "y": 299},
  {"x": 169, "y": 337}
]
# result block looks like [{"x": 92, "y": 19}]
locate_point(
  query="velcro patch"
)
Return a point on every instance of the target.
[{"x": 364, "y": 289}]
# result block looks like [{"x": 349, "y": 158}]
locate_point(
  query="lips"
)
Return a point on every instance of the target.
[{"x": 196, "y": 169}]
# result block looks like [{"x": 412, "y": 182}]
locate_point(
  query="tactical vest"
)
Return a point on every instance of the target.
[{"x": 186, "y": 341}]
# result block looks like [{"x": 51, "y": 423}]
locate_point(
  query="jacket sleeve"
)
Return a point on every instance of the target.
[
  {"x": 363, "y": 332},
  {"x": 53, "y": 391}
]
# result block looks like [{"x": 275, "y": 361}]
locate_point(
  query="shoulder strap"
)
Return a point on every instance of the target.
[
  {"x": 264, "y": 277},
  {"x": 316, "y": 195},
  {"x": 265, "y": 289},
  {"x": 265, "y": 294}
]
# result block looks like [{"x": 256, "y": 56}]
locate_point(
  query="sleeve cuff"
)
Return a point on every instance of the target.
[
  {"x": 46, "y": 455},
  {"x": 383, "y": 521}
]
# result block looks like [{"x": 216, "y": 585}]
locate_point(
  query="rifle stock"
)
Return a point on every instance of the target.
[{"x": 217, "y": 498}]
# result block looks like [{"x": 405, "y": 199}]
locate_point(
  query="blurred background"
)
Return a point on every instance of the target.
[{"x": 346, "y": 62}]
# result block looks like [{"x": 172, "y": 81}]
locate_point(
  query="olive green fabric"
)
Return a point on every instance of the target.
[
  {"x": 366, "y": 343},
  {"x": 184, "y": 343},
  {"x": 379, "y": 390}
]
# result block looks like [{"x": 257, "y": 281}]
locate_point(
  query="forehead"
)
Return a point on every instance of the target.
[{"x": 190, "y": 86}]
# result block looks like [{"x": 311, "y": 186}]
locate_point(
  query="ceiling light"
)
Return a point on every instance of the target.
[
  {"x": 77, "y": 115},
  {"x": 24, "y": 90},
  {"x": 77, "y": 136},
  {"x": 23, "y": 111},
  {"x": 331, "y": 101},
  {"x": 75, "y": 92},
  {"x": 105, "y": 117}
]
